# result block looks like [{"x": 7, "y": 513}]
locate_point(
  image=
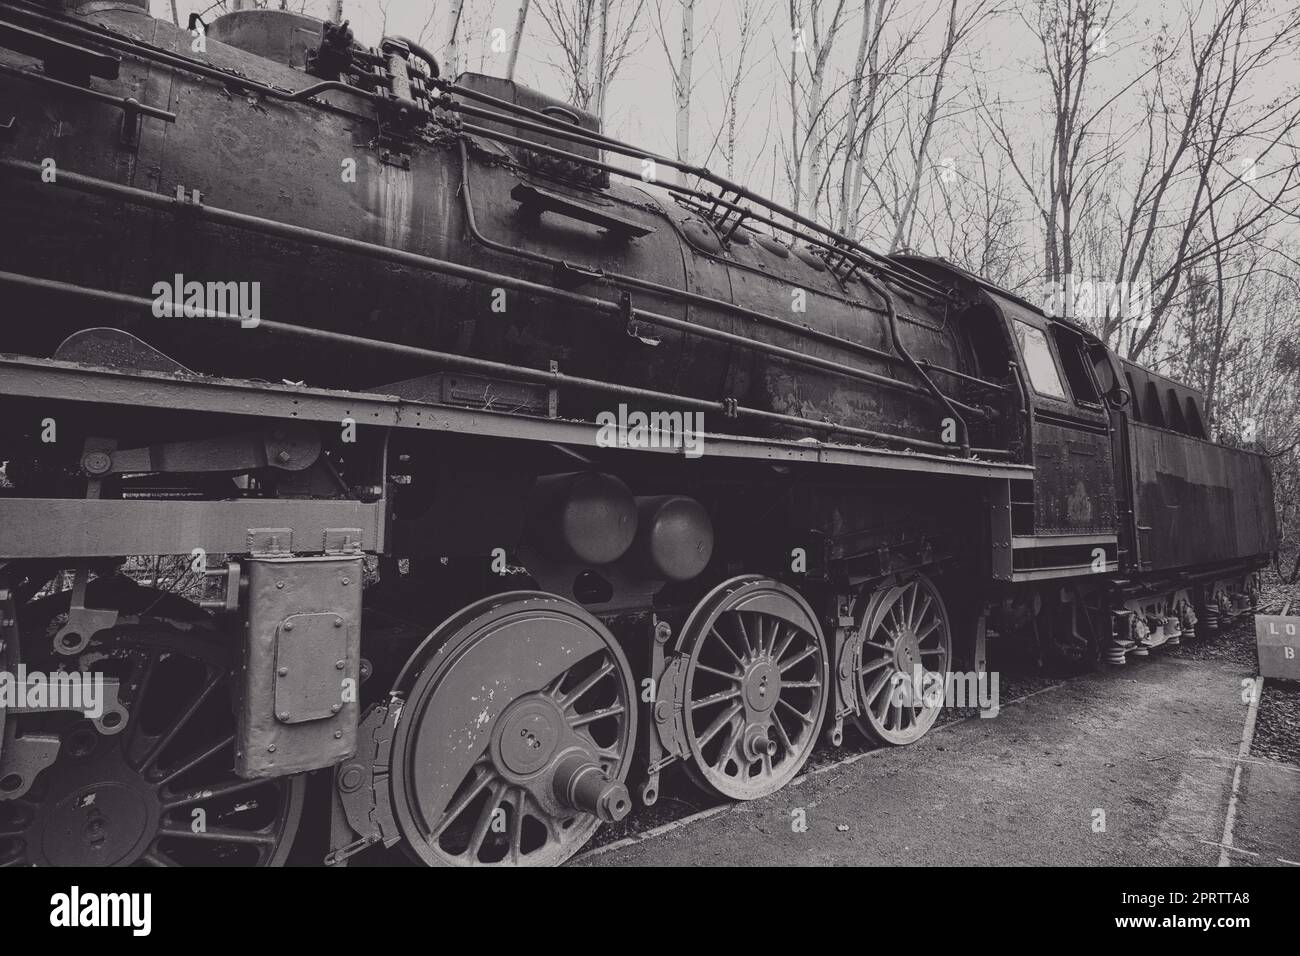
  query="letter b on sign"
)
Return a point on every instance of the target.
[{"x": 1276, "y": 637}]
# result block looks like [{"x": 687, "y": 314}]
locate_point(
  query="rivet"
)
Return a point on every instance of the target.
[
  {"x": 338, "y": 622},
  {"x": 284, "y": 671},
  {"x": 270, "y": 748},
  {"x": 284, "y": 715},
  {"x": 347, "y": 580},
  {"x": 339, "y": 665},
  {"x": 335, "y": 708},
  {"x": 279, "y": 584},
  {"x": 288, "y": 626},
  {"x": 338, "y": 735}
]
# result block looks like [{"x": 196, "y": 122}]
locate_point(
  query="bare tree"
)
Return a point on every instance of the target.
[
  {"x": 680, "y": 67},
  {"x": 958, "y": 29},
  {"x": 571, "y": 24}
]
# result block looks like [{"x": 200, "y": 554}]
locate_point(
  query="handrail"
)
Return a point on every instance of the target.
[
  {"x": 685, "y": 295},
  {"x": 93, "y": 185},
  {"x": 485, "y": 366}
]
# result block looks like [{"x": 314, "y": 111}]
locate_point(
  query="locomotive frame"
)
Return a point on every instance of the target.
[{"x": 586, "y": 586}]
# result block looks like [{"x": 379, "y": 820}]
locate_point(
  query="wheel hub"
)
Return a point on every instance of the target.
[
  {"x": 104, "y": 823},
  {"x": 528, "y": 736},
  {"x": 907, "y": 652},
  {"x": 762, "y": 685}
]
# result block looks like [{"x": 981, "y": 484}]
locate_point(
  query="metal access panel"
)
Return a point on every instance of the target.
[
  {"x": 299, "y": 689},
  {"x": 1279, "y": 646}
]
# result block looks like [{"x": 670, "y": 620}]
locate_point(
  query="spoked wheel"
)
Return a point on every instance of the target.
[
  {"x": 161, "y": 791},
  {"x": 754, "y": 688},
  {"x": 906, "y": 651},
  {"x": 516, "y": 734}
]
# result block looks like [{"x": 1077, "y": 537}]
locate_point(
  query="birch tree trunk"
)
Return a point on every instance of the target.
[
  {"x": 517, "y": 40},
  {"x": 684, "y": 81},
  {"x": 851, "y": 159}
]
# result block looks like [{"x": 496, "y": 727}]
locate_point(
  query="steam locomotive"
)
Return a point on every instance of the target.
[{"x": 520, "y": 467}]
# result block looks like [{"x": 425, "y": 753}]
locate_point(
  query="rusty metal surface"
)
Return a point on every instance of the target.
[
  {"x": 37, "y": 378},
  {"x": 418, "y": 209},
  {"x": 1074, "y": 487},
  {"x": 1202, "y": 502}
]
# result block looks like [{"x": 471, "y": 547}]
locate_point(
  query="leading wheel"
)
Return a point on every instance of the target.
[
  {"x": 754, "y": 689},
  {"x": 515, "y": 735},
  {"x": 161, "y": 791},
  {"x": 905, "y": 662}
]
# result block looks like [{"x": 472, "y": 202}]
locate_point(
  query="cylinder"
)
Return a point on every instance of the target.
[
  {"x": 586, "y": 517},
  {"x": 674, "y": 537}
]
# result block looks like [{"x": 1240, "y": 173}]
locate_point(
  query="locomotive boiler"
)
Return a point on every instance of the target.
[{"x": 521, "y": 466}]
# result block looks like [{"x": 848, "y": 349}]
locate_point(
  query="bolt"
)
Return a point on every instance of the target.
[
  {"x": 338, "y": 735},
  {"x": 283, "y": 457},
  {"x": 270, "y": 748},
  {"x": 338, "y": 622},
  {"x": 347, "y": 580},
  {"x": 279, "y": 584},
  {"x": 335, "y": 708},
  {"x": 339, "y": 665}
]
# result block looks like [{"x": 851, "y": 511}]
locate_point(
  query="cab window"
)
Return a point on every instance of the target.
[
  {"x": 1039, "y": 363},
  {"x": 1078, "y": 371}
]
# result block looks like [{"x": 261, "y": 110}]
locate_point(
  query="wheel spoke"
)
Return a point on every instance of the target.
[
  {"x": 734, "y": 678},
  {"x": 591, "y": 681},
  {"x": 485, "y": 820},
  {"x": 518, "y": 800},
  {"x": 922, "y": 635},
  {"x": 595, "y": 715},
  {"x": 782, "y": 736},
  {"x": 744, "y": 633},
  {"x": 714, "y": 632},
  {"x": 156, "y": 751},
  {"x": 728, "y": 744},
  {"x": 189, "y": 763},
  {"x": 807, "y": 653},
  {"x": 714, "y": 699},
  {"x": 719, "y": 722},
  {"x": 482, "y": 778},
  {"x": 803, "y": 718},
  {"x": 793, "y": 632},
  {"x": 215, "y": 792},
  {"x": 221, "y": 835}
]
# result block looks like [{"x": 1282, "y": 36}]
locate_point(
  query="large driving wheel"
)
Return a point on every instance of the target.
[
  {"x": 160, "y": 791},
  {"x": 754, "y": 689},
  {"x": 515, "y": 736},
  {"x": 906, "y": 657}
]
